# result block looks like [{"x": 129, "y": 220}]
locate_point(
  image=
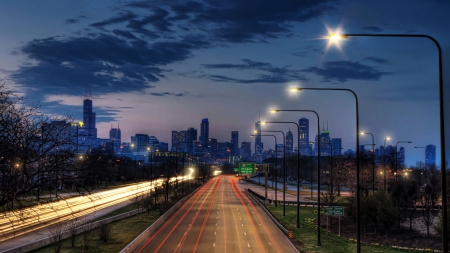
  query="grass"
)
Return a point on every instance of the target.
[
  {"x": 306, "y": 236},
  {"x": 122, "y": 233}
]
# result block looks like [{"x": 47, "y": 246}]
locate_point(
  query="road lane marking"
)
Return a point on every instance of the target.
[
  {"x": 248, "y": 245},
  {"x": 214, "y": 244},
  {"x": 245, "y": 233}
]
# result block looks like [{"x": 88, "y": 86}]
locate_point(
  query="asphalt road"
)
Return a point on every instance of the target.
[{"x": 218, "y": 218}]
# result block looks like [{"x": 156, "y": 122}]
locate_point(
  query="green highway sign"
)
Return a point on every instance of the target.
[
  {"x": 236, "y": 169},
  {"x": 246, "y": 168},
  {"x": 333, "y": 210}
]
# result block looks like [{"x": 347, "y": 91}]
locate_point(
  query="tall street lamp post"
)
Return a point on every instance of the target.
[
  {"x": 311, "y": 179},
  {"x": 298, "y": 170},
  {"x": 384, "y": 162},
  {"x": 373, "y": 162},
  {"x": 318, "y": 166},
  {"x": 358, "y": 201},
  {"x": 276, "y": 172},
  {"x": 275, "y": 165},
  {"x": 396, "y": 157},
  {"x": 441, "y": 121}
]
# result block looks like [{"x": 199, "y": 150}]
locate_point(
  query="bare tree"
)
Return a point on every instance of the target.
[
  {"x": 73, "y": 227},
  {"x": 37, "y": 152},
  {"x": 56, "y": 234}
]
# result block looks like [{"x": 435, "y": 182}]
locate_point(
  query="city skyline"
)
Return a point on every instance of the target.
[{"x": 154, "y": 66}]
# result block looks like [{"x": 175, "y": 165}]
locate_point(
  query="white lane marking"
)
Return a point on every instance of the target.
[
  {"x": 214, "y": 244},
  {"x": 216, "y": 224},
  {"x": 179, "y": 245},
  {"x": 214, "y": 232},
  {"x": 248, "y": 245},
  {"x": 270, "y": 244},
  {"x": 245, "y": 233},
  {"x": 242, "y": 224},
  {"x": 184, "y": 233}
]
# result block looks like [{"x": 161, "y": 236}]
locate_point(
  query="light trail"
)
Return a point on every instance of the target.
[{"x": 20, "y": 222}]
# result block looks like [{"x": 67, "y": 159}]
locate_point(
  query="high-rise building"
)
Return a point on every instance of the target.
[
  {"x": 289, "y": 142},
  {"x": 204, "y": 132},
  {"x": 88, "y": 132},
  {"x": 303, "y": 137},
  {"x": 336, "y": 143},
  {"x": 325, "y": 143},
  {"x": 235, "y": 143},
  {"x": 430, "y": 155},
  {"x": 191, "y": 137},
  {"x": 178, "y": 140},
  {"x": 115, "y": 137},
  {"x": 212, "y": 147},
  {"x": 140, "y": 142},
  {"x": 246, "y": 150},
  {"x": 259, "y": 146}
]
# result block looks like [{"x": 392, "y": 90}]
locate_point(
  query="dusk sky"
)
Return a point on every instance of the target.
[{"x": 158, "y": 66}]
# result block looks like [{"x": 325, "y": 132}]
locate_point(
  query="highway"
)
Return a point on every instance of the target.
[
  {"x": 13, "y": 224},
  {"x": 219, "y": 217}
]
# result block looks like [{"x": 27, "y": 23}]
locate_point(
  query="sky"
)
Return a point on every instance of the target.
[{"x": 158, "y": 66}]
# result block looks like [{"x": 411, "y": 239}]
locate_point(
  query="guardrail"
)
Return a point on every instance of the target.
[{"x": 132, "y": 246}]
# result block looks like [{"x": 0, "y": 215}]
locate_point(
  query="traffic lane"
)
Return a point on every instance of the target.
[
  {"x": 273, "y": 240},
  {"x": 169, "y": 237}
]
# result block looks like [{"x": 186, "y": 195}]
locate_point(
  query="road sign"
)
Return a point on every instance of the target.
[
  {"x": 246, "y": 168},
  {"x": 333, "y": 210},
  {"x": 236, "y": 169}
]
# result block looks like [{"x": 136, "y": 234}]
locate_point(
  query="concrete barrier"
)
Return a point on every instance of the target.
[
  {"x": 131, "y": 247},
  {"x": 66, "y": 234}
]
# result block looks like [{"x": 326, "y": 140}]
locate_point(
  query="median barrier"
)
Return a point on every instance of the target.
[{"x": 140, "y": 239}]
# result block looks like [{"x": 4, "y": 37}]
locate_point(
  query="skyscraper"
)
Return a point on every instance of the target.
[
  {"x": 336, "y": 143},
  {"x": 259, "y": 146},
  {"x": 204, "y": 132},
  {"x": 303, "y": 125},
  {"x": 191, "y": 137},
  {"x": 178, "y": 140},
  {"x": 325, "y": 143},
  {"x": 115, "y": 137},
  {"x": 88, "y": 132},
  {"x": 246, "y": 151},
  {"x": 235, "y": 143},
  {"x": 430, "y": 155},
  {"x": 289, "y": 142}
]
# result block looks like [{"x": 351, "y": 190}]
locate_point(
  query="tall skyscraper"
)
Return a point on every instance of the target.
[
  {"x": 430, "y": 155},
  {"x": 191, "y": 137},
  {"x": 336, "y": 143},
  {"x": 401, "y": 156},
  {"x": 235, "y": 143},
  {"x": 179, "y": 140},
  {"x": 303, "y": 125},
  {"x": 289, "y": 142},
  {"x": 246, "y": 150},
  {"x": 204, "y": 132},
  {"x": 115, "y": 137},
  {"x": 88, "y": 132},
  {"x": 259, "y": 146},
  {"x": 325, "y": 143}
]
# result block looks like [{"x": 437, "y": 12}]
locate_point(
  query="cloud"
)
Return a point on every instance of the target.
[
  {"x": 343, "y": 71},
  {"x": 373, "y": 28},
  {"x": 105, "y": 62},
  {"x": 234, "y": 20},
  {"x": 276, "y": 74},
  {"x": 376, "y": 60},
  {"x": 167, "y": 94},
  {"x": 120, "y": 18},
  {"x": 74, "y": 20}
]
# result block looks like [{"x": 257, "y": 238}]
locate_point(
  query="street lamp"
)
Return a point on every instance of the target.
[
  {"x": 276, "y": 171},
  {"x": 318, "y": 165},
  {"x": 384, "y": 161},
  {"x": 441, "y": 121},
  {"x": 396, "y": 156},
  {"x": 298, "y": 169},
  {"x": 276, "y": 157},
  {"x": 358, "y": 201},
  {"x": 373, "y": 160}
]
